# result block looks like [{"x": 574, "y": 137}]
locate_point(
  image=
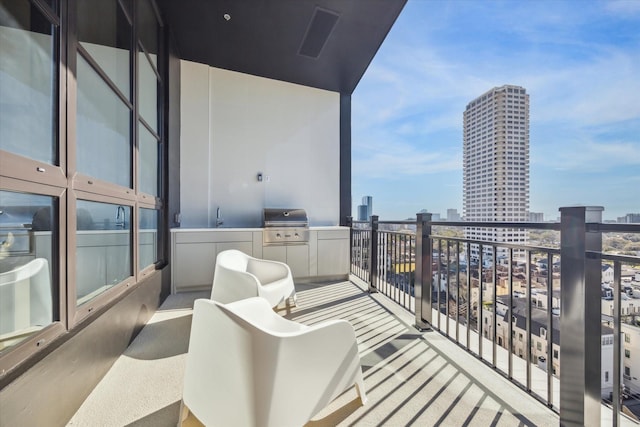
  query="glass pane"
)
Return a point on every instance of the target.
[
  {"x": 148, "y": 161},
  {"x": 105, "y": 32},
  {"x": 103, "y": 251},
  {"x": 148, "y": 29},
  {"x": 27, "y": 284},
  {"x": 103, "y": 129},
  {"x": 148, "y": 99},
  {"x": 28, "y": 113},
  {"x": 148, "y": 246}
]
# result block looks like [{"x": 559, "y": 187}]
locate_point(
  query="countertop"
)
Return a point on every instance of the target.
[{"x": 220, "y": 229}]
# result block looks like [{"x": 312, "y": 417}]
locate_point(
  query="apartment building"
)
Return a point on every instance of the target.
[{"x": 496, "y": 162}]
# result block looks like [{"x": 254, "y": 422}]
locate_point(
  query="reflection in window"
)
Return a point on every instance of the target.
[
  {"x": 103, "y": 129},
  {"x": 28, "y": 117},
  {"x": 148, "y": 99},
  {"x": 109, "y": 43},
  {"x": 27, "y": 230},
  {"x": 148, "y": 29},
  {"x": 148, "y": 241},
  {"x": 148, "y": 150},
  {"x": 103, "y": 247}
]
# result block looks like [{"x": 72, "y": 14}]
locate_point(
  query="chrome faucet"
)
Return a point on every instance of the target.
[
  {"x": 120, "y": 217},
  {"x": 219, "y": 220}
]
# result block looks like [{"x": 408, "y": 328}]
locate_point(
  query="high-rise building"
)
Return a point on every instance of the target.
[
  {"x": 365, "y": 210},
  {"x": 453, "y": 215},
  {"x": 496, "y": 162},
  {"x": 536, "y": 216}
]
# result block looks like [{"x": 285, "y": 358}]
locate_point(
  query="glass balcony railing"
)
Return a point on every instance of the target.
[{"x": 548, "y": 305}]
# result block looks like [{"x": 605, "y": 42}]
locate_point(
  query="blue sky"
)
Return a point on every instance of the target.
[{"x": 580, "y": 63}]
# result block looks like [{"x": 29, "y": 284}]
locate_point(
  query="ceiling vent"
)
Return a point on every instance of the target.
[{"x": 320, "y": 27}]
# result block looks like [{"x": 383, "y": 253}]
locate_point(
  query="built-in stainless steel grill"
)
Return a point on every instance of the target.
[{"x": 285, "y": 226}]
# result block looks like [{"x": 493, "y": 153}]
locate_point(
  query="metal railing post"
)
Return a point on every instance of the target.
[
  {"x": 349, "y": 223},
  {"x": 580, "y": 317},
  {"x": 422, "y": 285},
  {"x": 373, "y": 255}
]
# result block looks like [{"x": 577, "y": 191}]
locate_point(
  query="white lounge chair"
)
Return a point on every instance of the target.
[
  {"x": 248, "y": 366},
  {"x": 238, "y": 276}
]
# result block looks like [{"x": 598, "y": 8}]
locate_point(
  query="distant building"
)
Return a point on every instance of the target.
[
  {"x": 434, "y": 216},
  {"x": 496, "y": 163},
  {"x": 453, "y": 215},
  {"x": 536, "y": 216},
  {"x": 365, "y": 210},
  {"x": 362, "y": 213},
  {"x": 630, "y": 218}
]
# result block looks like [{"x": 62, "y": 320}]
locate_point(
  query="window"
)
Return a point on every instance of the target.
[
  {"x": 606, "y": 376},
  {"x": 627, "y": 338},
  {"x": 28, "y": 233},
  {"x": 103, "y": 129},
  {"x": 555, "y": 354},
  {"x": 539, "y": 346},
  {"x": 88, "y": 189},
  {"x": 28, "y": 76},
  {"x": 148, "y": 161},
  {"x": 103, "y": 248},
  {"x": 148, "y": 240},
  {"x": 627, "y": 353},
  {"x": 627, "y": 372},
  {"x": 148, "y": 91},
  {"x": 109, "y": 44}
]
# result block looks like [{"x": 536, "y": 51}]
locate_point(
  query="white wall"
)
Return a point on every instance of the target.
[{"x": 235, "y": 126}]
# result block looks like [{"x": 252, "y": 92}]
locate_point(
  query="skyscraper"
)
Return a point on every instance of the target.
[
  {"x": 496, "y": 162},
  {"x": 365, "y": 210}
]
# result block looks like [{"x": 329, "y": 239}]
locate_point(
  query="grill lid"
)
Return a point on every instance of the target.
[{"x": 285, "y": 217}]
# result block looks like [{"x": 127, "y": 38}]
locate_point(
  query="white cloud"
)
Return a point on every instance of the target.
[
  {"x": 592, "y": 156},
  {"x": 623, "y": 8}
]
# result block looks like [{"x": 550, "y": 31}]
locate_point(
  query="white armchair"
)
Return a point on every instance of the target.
[
  {"x": 238, "y": 276},
  {"x": 247, "y": 366}
]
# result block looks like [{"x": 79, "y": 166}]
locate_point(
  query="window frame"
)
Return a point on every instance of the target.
[{"x": 62, "y": 180}]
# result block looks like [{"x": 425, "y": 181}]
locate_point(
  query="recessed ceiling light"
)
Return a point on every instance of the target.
[{"x": 227, "y": 17}]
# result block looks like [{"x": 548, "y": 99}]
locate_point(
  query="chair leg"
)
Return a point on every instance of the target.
[
  {"x": 295, "y": 299},
  {"x": 359, "y": 383},
  {"x": 184, "y": 413}
]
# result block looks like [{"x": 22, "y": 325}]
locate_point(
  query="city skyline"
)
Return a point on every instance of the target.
[{"x": 580, "y": 64}]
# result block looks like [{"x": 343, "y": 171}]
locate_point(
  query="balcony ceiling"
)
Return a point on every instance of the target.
[{"x": 280, "y": 39}]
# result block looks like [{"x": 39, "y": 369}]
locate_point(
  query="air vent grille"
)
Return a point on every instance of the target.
[{"x": 320, "y": 27}]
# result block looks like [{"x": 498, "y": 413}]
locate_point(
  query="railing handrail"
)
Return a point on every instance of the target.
[{"x": 602, "y": 227}]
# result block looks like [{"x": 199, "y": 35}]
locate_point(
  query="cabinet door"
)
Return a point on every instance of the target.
[
  {"x": 333, "y": 257},
  {"x": 298, "y": 260},
  {"x": 275, "y": 253},
  {"x": 194, "y": 265}
]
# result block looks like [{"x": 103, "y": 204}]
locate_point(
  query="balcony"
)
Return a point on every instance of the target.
[
  {"x": 426, "y": 364},
  {"x": 412, "y": 377}
]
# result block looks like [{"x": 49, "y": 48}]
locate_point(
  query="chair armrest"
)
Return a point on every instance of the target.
[
  {"x": 268, "y": 271},
  {"x": 260, "y": 314},
  {"x": 232, "y": 285},
  {"x": 305, "y": 370}
]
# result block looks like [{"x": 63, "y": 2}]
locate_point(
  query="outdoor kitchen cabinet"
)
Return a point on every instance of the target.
[
  {"x": 295, "y": 256},
  {"x": 333, "y": 251},
  {"x": 194, "y": 252}
]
